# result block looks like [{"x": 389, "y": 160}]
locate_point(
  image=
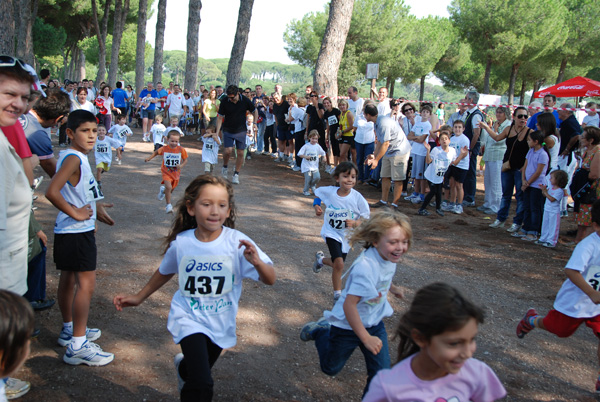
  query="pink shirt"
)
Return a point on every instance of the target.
[{"x": 474, "y": 382}]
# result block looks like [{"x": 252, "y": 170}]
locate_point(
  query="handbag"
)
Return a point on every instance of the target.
[{"x": 506, "y": 165}]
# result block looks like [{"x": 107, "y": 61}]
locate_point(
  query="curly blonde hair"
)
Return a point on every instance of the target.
[{"x": 372, "y": 229}]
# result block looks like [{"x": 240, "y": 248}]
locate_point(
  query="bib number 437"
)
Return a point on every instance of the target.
[{"x": 205, "y": 276}]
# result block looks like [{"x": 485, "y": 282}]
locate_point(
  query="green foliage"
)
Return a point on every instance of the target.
[{"x": 47, "y": 40}]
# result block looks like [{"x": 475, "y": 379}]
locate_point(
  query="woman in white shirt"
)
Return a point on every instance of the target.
[{"x": 81, "y": 102}]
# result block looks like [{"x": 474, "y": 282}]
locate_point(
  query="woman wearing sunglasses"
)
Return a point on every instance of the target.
[{"x": 513, "y": 161}]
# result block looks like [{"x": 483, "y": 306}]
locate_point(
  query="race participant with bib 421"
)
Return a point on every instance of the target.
[
  {"x": 346, "y": 207},
  {"x": 211, "y": 260},
  {"x": 174, "y": 158}
]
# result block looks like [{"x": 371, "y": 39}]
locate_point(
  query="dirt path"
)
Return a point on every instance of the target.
[{"x": 270, "y": 363}]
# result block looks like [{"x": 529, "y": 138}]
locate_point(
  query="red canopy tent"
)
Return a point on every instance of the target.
[{"x": 575, "y": 87}]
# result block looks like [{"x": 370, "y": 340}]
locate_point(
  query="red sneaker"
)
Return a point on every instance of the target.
[{"x": 524, "y": 327}]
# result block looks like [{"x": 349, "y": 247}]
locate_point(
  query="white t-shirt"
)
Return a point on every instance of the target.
[
  {"x": 210, "y": 284},
  {"x": 365, "y": 130},
  {"x": 339, "y": 209},
  {"x": 369, "y": 278},
  {"x": 592, "y": 120},
  {"x": 441, "y": 161},
  {"x": 383, "y": 108},
  {"x": 356, "y": 107},
  {"x": 475, "y": 381},
  {"x": 457, "y": 142},
  {"x": 554, "y": 206},
  {"x": 298, "y": 114},
  {"x": 158, "y": 133},
  {"x": 210, "y": 150},
  {"x": 85, "y": 192},
  {"x": 169, "y": 129},
  {"x": 420, "y": 128},
  {"x": 120, "y": 133},
  {"x": 175, "y": 102},
  {"x": 570, "y": 300},
  {"x": 314, "y": 152},
  {"x": 103, "y": 151},
  {"x": 190, "y": 104}
]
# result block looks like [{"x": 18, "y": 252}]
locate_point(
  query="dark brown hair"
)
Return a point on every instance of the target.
[{"x": 16, "y": 327}]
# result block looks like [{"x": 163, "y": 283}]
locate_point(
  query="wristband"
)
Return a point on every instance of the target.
[{"x": 317, "y": 201}]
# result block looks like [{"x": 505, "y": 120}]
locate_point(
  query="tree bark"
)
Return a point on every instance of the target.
[
  {"x": 191, "y": 60},
  {"x": 511, "y": 85},
  {"x": 81, "y": 64},
  {"x": 101, "y": 32},
  {"x": 392, "y": 85},
  {"x": 234, "y": 69},
  {"x": 561, "y": 71},
  {"x": 422, "y": 88},
  {"x": 159, "y": 43},
  {"x": 121, "y": 11},
  {"x": 7, "y": 33},
  {"x": 140, "y": 49},
  {"x": 486, "y": 77},
  {"x": 25, "y": 32},
  {"x": 522, "y": 94},
  {"x": 332, "y": 47}
]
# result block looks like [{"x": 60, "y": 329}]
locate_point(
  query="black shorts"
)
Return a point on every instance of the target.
[
  {"x": 335, "y": 146},
  {"x": 157, "y": 146},
  {"x": 458, "y": 174},
  {"x": 335, "y": 249},
  {"x": 75, "y": 251},
  {"x": 348, "y": 140}
]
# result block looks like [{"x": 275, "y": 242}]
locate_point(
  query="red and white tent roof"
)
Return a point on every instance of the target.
[{"x": 575, "y": 87}]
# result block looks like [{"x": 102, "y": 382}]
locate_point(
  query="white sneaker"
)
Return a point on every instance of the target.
[
  {"x": 65, "y": 337},
  {"x": 317, "y": 266},
  {"x": 118, "y": 161},
  {"x": 513, "y": 228},
  {"x": 177, "y": 361},
  {"x": 169, "y": 208},
  {"x": 446, "y": 206},
  {"x": 224, "y": 172},
  {"x": 161, "y": 193},
  {"x": 497, "y": 224},
  {"x": 410, "y": 197},
  {"x": 235, "y": 179},
  {"x": 296, "y": 168},
  {"x": 458, "y": 209},
  {"x": 89, "y": 354},
  {"x": 15, "y": 388}
]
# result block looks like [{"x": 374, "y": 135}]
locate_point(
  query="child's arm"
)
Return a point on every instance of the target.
[
  {"x": 156, "y": 282},
  {"x": 317, "y": 206},
  {"x": 546, "y": 194},
  {"x": 372, "y": 343},
  {"x": 182, "y": 164},
  {"x": 266, "y": 272},
  {"x": 579, "y": 281},
  {"x": 397, "y": 291},
  {"x": 155, "y": 153},
  {"x": 69, "y": 170},
  {"x": 464, "y": 151},
  {"x": 428, "y": 158}
]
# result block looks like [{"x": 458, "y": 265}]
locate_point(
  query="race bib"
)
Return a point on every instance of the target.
[
  {"x": 209, "y": 146},
  {"x": 593, "y": 277},
  {"x": 122, "y": 134},
  {"x": 332, "y": 120},
  {"x": 440, "y": 165},
  {"x": 172, "y": 160},
  {"x": 93, "y": 192},
  {"x": 205, "y": 276},
  {"x": 101, "y": 148},
  {"x": 336, "y": 218},
  {"x": 311, "y": 157}
]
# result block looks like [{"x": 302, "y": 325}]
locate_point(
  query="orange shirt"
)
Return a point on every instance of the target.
[{"x": 172, "y": 158}]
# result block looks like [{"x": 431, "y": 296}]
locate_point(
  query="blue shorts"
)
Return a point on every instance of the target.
[
  {"x": 149, "y": 114},
  {"x": 458, "y": 174},
  {"x": 237, "y": 139},
  {"x": 284, "y": 135},
  {"x": 418, "y": 167}
]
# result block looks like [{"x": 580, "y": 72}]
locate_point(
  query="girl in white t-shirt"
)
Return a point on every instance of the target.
[
  {"x": 356, "y": 318},
  {"x": 310, "y": 153},
  {"x": 437, "y": 342},
  {"x": 16, "y": 316},
  {"x": 211, "y": 259},
  {"x": 210, "y": 149},
  {"x": 345, "y": 209}
]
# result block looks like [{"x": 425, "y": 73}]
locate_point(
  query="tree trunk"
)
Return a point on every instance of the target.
[
  {"x": 159, "y": 43},
  {"x": 82, "y": 72},
  {"x": 121, "y": 11},
  {"x": 332, "y": 47},
  {"x": 486, "y": 77},
  {"x": 140, "y": 49},
  {"x": 7, "y": 33},
  {"x": 392, "y": 86},
  {"x": 561, "y": 71},
  {"x": 511, "y": 85},
  {"x": 191, "y": 60},
  {"x": 25, "y": 32},
  {"x": 422, "y": 88},
  {"x": 522, "y": 95},
  {"x": 234, "y": 69},
  {"x": 101, "y": 29}
]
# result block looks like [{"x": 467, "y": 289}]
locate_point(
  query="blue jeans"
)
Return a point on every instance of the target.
[
  {"x": 260, "y": 144},
  {"x": 470, "y": 184},
  {"x": 511, "y": 180},
  {"x": 36, "y": 276},
  {"x": 533, "y": 208},
  {"x": 335, "y": 346},
  {"x": 362, "y": 150}
]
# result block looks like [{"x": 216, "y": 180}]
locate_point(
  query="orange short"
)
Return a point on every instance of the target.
[
  {"x": 171, "y": 177},
  {"x": 563, "y": 326}
]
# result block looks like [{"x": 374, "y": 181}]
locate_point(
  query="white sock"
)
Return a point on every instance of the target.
[
  {"x": 320, "y": 260},
  {"x": 337, "y": 292},
  {"x": 78, "y": 341},
  {"x": 383, "y": 202}
]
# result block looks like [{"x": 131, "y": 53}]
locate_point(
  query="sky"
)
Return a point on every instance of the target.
[{"x": 269, "y": 20}]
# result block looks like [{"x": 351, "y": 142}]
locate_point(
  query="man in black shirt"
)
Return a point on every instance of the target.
[
  {"x": 232, "y": 117},
  {"x": 285, "y": 139}
]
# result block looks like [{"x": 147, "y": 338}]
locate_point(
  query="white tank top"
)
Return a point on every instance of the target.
[
  {"x": 554, "y": 153},
  {"x": 85, "y": 192}
]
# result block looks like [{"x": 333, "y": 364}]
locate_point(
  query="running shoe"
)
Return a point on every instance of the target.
[
  {"x": 497, "y": 224},
  {"x": 89, "y": 354},
  {"x": 523, "y": 328},
  {"x": 161, "y": 193},
  {"x": 318, "y": 266},
  {"x": 307, "y": 330}
]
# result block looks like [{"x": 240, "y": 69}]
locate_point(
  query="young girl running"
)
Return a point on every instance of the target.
[
  {"x": 356, "y": 318},
  {"x": 437, "y": 340},
  {"x": 533, "y": 174},
  {"x": 345, "y": 208},
  {"x": 211, "y": 259}
]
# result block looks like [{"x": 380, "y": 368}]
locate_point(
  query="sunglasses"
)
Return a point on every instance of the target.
[
  {"x": 522, "y": 116},
  {"x": 9, "y": 61},
  {"x": 408, "y": 110},
  {"x": 314, "y": 96}
]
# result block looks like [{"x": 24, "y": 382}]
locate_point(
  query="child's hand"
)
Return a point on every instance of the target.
[
  {"x": 427, "y": 146},
  {"x": 102, "y": 215},
  {"x": 543, "y": 187},
  {"x": 42, "y": 236},
  {"x": 397, "y": 291},
  {"x": 121, "y": 301},
  {"x": 146, "y": 160},
  {"x": 464, "y": 151},
  {"x": 250, "y": 252},
  {"x": 595, "y": 297},
  {"x": 84, "y": 213},
  {"x": 318, "y": 210},
  {"x": 351, "y": 223},
  {"x": 373, "y": 344}
]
